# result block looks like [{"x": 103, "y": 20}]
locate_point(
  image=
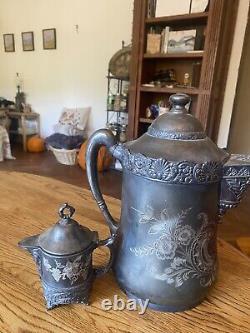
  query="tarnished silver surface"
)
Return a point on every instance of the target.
[
  {"x": 63, "y": 255},
  {"x": 185, "y": 172},
  {"x": 172, "y": 135},
  {"x": 176, "y": 185}
]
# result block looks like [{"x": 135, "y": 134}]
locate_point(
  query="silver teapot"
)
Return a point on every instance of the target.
[
  {"x": 63, "y": 255},
  {"x": 176, "y": 185}
]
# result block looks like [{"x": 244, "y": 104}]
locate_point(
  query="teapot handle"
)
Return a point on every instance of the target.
[{"x": 100, "y": 138}]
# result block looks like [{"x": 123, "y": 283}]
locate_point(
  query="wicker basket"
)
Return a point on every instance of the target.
[{"x": 65, "y": 156}]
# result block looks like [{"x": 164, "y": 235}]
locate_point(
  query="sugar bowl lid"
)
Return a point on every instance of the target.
[{"x": 67, "y": 236}]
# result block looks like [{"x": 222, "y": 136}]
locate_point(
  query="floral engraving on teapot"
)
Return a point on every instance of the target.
[
  {"x": 184, "y": 172},
  {"x": 72, "y": 270},
  {"x": 192, "y": 253}
]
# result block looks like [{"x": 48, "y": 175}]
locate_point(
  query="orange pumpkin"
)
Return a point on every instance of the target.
[
  {"x": 35, "y": 144},
  {"x": 104, "y": 159}
]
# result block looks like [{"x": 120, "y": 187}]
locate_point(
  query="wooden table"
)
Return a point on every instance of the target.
[{"x": 28, "y": 204}]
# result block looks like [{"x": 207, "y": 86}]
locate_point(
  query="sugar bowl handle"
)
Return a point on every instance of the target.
[
  {"x": 101, "y": 270},
  {"x": 100, "y": 138}
]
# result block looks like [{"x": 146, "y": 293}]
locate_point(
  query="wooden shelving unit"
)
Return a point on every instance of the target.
[
  {"x": 193, "y": 55},
  {"x": 217, "y": 25},
  {"x": 184, "y": 19},
  {"x": 190, "y": 91}
]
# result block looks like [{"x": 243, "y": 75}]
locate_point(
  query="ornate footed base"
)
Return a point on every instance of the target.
[{"x": 62, "y": 296}]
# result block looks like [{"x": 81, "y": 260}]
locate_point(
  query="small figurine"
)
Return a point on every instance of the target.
[{"x": 186, "y": 81}]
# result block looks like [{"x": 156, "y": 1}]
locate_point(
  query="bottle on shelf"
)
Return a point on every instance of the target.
[
  {"x": 117, "y": 102},
  {"x": 110, "y": 101}
]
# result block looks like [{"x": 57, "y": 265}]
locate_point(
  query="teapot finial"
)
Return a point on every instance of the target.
[{"x": 178, "y": 102}]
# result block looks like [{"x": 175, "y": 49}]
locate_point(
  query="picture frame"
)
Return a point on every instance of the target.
[
  {"x": 49, "y": 39},
  {"x": 198, "y": 6},
  {"x": 9, "y": 42},
  {"x": 181, "y": 41},
  {"x": 28, "y": 41}
]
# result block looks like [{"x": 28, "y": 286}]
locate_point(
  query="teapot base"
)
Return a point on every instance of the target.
[
  {"x": 166, "y": 308},
  {"x": 161, "y": 307}
]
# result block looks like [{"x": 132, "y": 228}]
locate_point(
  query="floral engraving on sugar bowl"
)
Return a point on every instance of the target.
[{"x": 72, "y": 270}]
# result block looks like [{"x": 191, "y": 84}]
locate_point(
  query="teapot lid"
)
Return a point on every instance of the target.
[
  {"x": 67, "y": 236},
  {"x": 177, "y": 124},
  {"x": 177, "y": 136}
]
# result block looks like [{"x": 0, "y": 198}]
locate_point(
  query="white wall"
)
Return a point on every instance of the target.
[
  {"x": 74, "y": 73},
  {"x": 233, "y": 72}
]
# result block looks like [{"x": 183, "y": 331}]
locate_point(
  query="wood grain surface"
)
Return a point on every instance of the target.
[{"x": 28, "y": 205}]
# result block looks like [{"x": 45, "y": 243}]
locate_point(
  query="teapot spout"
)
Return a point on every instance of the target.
[
  {"x": 29, "y": 243},
  {"x": 236, "y": 178}
]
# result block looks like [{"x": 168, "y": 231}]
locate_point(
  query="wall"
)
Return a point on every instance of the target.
[
  {"x": 74, "y": 74},
  {"x": 233, "y": 72}
]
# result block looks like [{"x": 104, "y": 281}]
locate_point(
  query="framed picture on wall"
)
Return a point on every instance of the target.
[
  {"x": 28, "y": 41},
  {"x": 49, "y": 39},
  {"x": 9, "y": 42},
  {"x": 198, "y": 6}
]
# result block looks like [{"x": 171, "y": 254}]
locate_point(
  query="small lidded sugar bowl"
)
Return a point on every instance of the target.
[{"x": 63, "y": 254}]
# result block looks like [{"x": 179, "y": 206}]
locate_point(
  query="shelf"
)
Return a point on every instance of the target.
[
  {"x": 119, "y": 111},
  {"x": 186, "y": 55},
  {"x": 117, "y": 78},
  {"x": 195, "y": 18},
  {"x": 190, "y": 91},
  {"x": 146, "y": 120}
]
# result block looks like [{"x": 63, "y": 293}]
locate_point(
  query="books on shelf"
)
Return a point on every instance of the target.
[
  {"x": 167, "y": 41},
  {"x": 153, "y": 43},
  {"x": 164, "y": 39},
  {"x": 196, "y": 73}
]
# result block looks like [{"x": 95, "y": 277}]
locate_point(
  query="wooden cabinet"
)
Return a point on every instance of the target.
[{"x": 217, "y": 26}]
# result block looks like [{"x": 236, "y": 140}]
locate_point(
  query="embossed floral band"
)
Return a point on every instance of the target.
[{"x": 184, "y": 172}]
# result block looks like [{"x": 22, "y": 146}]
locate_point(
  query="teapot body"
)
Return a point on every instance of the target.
[
  {"x": 166, "y": 243},
  {"x": 176, "y": 185}
]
